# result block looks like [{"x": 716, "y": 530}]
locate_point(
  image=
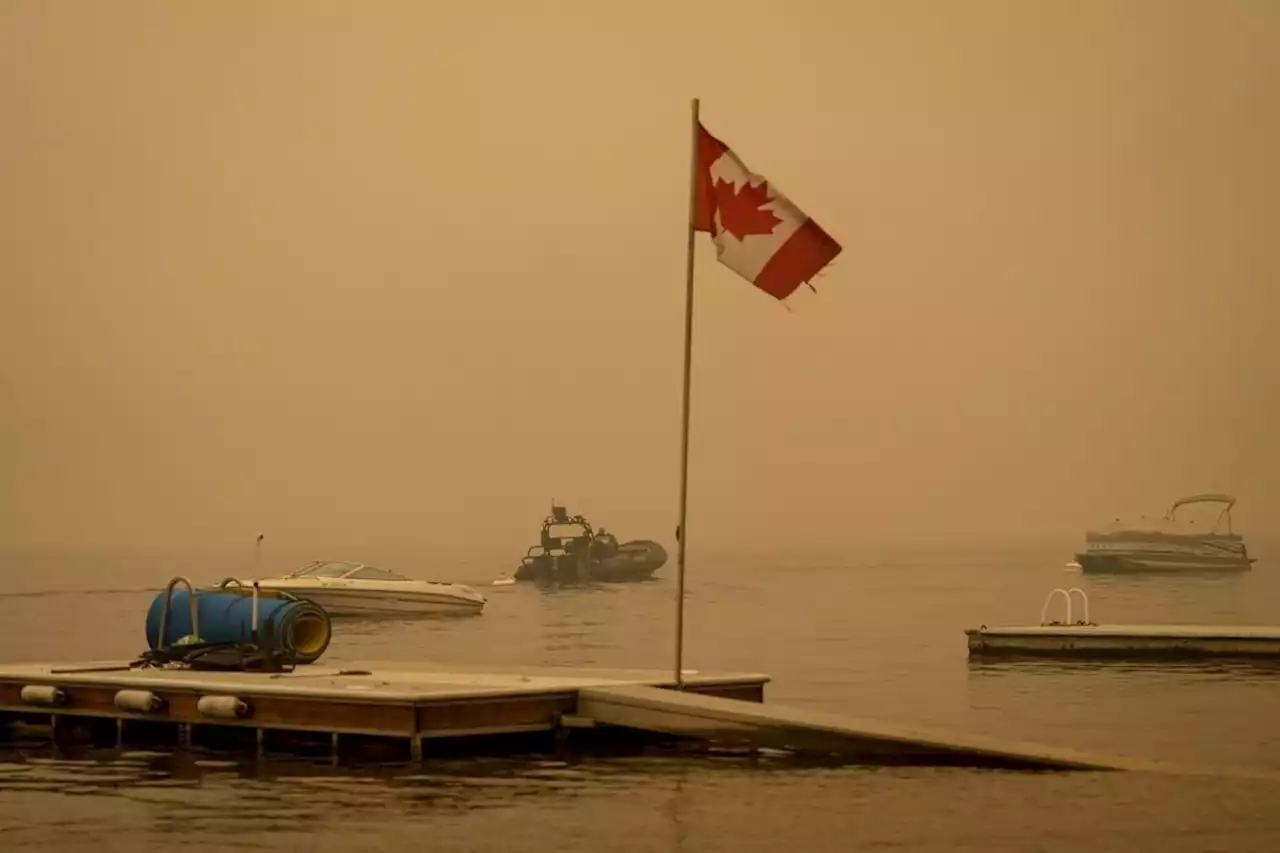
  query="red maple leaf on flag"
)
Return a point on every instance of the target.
[{"x": 743, "y": 211}]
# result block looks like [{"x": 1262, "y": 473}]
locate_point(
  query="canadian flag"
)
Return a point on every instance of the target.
[{"x": 759, "y": 233}]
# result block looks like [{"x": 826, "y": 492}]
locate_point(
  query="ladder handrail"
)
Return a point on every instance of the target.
[
  {"x": 168, "y": 606},
  {"x": 1044, "y": 611},
  {"x": 1084, "y": 599}
]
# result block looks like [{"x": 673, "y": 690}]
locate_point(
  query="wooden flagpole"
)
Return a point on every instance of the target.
[{"x": 682, "y": 530}]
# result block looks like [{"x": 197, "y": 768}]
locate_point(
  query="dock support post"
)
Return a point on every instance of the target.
[
  {"x": 562, "y": 745},
  {"x": 260, "y": 739},
  {"x": 119, "y": 733},
  {"x": 67, "y": 731},
  {"x": 184, "y": 735},
  {"x": 415, "y": 747},
  {"x": 333, "y": 748}
]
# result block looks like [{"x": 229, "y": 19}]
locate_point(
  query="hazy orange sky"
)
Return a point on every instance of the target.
[{"x": 393, "y": 271}]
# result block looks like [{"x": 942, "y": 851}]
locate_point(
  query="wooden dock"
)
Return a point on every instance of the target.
[
  {"x": 413, "y": 705},
  {"x": 1127, "y": 641},
  {"x": 388, "y": 712}
]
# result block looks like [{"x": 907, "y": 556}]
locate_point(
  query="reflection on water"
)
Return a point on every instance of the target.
[
  {"x": 876, "y": 635},
  {"x": 131, "y": 801}
]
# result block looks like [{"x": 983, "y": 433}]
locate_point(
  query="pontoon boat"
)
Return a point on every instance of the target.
[{"x": 1169, "y": 545}]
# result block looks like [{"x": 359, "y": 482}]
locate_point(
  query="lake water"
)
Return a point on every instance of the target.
[{"x": 876, "y": 634}]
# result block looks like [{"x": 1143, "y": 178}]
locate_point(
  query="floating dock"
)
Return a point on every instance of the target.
[
  {"x": 387, "y": 712},
  {"x": 1086, "y": 639},
  {"x": 1127, "y": 641},
  {"x": 386, "y": 701}
]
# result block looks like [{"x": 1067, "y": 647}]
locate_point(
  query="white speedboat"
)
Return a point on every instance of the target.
[{"x": 356, "y": 589}]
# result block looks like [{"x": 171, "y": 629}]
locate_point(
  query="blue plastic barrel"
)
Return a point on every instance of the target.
[{"x": 298, "y": 627}]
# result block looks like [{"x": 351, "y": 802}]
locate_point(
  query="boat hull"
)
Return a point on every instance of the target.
[
  {"x": 346, "y": 602},
  {"x": 1151, "y": 563},
  {"x": 634, "y": 561}
]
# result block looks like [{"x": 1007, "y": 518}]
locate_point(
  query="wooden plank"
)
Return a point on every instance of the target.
[
  {"x": 493, "y": 715},
  {"x": 269, "y": 711},
  {"x": 328, "y": 715},
  {"x": 751, "y": 692},
  {"x": 355, "y": 721},
  {"x": 1127, "y": 641},
  {"x": 730, "y": 721},
  {"x": 1242, "y": 632},
  {"x": 374, "y": 683}
]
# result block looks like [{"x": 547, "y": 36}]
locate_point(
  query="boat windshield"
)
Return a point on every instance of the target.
[
  {"x": 325, "y": 570},
  {"x": 373, "y": 573},
  {"x": 566, "y": 531}
]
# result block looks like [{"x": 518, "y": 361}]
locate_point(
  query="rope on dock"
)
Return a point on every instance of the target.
[{"x": 225, "y": 657}]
